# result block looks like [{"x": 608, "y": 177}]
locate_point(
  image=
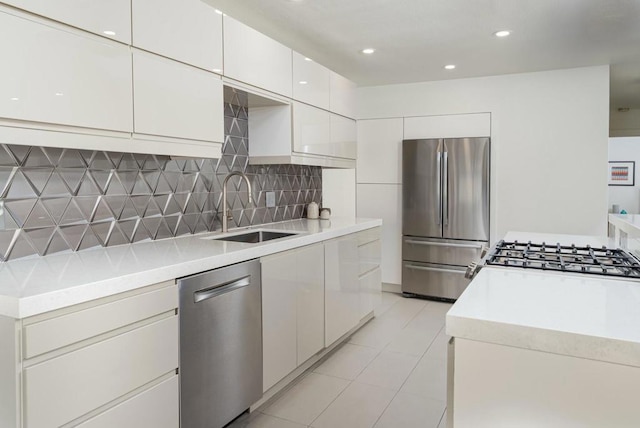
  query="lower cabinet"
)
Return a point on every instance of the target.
[
  {"x": 369, "y": 272},
  {"x": 342, "y": 294},
  {"x": 99, "y": 373},
  {"x": 292, "y": 310}
]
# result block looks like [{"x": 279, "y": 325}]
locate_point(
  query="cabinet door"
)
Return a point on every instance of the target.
[
  {"x": 186, "y": 30},
  {"x": 64, "y": 77},
  {"x": 172, "y": 99},
  {"x": 311, "y": 130},
  {"x": 342, "y": 294},
  {"x": 107, "y": 18},
  {"x": 279, "y": 332},
  {"x": 253, "y": 58},
  {"x": 311, "y": 81},
  {"x": 343, "y": 137},
  {"x": 343, "y": 96},
  {"x": 380, "y": 150},
  {"x": 370, "y": 292},
  {"x": 309, "y": 268}
]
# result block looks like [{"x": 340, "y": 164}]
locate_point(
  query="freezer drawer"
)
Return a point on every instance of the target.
[
  {"x": 432, "y": 280},
  {"x": 441, "y": 251}
]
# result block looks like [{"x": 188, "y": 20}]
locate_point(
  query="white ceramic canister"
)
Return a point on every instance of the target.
[{"x": 312, "y": 210}]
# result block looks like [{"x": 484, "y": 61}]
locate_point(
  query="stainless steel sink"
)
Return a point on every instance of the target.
[{"x": 255, "y": 236}]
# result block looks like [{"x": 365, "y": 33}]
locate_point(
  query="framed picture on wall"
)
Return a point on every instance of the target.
[{"x": 622, "y": 173}]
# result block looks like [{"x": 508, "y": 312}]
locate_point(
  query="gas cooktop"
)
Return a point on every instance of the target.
[{"x": 564, "y": 258}]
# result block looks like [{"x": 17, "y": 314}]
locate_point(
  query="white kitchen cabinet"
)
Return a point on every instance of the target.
[
  {"x": 311, "y": 82},
  {"x": 292, "y": 310},
  {"x": 369, "y": 272},
  {"x": 97, "y": 361},
  {"x": 343, "y": 137},
  {"x": 343, "y": 95},
  {"x": 380, "y": 151},
  {"x": 342, "y": 292},
  {"x": 385, "y": 201},
  {"x": 448, "y": 126},
  {"x": 253, "y": 58},
  {"x": 311, "y": 130},
  {"x": 110, "y": 19},
  {"x": 279, "y": 303},
  {"x": 189, "y": 31},
  {"x": 172, "y": 99},
  {"x": 59, "y": 75},
  {"x": 370, "y": 285}
]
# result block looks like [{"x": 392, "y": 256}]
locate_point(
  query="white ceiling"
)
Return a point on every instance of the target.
[{"x": 414, "y": 39}]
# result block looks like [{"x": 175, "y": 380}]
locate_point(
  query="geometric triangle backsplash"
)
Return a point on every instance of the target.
[{"x": 54, "y": 200}]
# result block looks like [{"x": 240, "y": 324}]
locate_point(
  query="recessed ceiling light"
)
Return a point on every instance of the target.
[
  {"x": 308, "y": 59},
  {"x": 502, "y": 33},
  {"x": 59, "y": 94},
  {"x": 109, "y": 33},
  {"x": 450, "y": 66},
  {"x": 15, "y": 99},
  {"x": 303, "y": 82},
  {"x": 368, "y": 51},
  {"x": 218, "y": 11}
]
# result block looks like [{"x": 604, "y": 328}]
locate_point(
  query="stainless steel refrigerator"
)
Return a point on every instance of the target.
[{"x": 445, "y": 215}]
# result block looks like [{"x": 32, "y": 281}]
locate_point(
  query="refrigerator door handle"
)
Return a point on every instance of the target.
[
  {"x": 445, "y": 189},
  {"x": 439, "y": 185}
]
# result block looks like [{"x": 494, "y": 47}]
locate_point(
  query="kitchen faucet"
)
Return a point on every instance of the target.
[{"x": 226, "y": 213}]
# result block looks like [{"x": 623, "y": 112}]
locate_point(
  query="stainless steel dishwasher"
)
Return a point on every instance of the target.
[{"x": 220, "y": 344}]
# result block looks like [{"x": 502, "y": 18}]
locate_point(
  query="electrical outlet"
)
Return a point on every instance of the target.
[{"x": 271, "y": 199}]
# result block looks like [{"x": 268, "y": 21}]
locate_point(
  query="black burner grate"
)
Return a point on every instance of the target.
[{"x": 556, "y": 257}]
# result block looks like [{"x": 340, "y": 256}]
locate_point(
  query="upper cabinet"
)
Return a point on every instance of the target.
[
  {"x": 58, "y": 75},
  {"x": 255, "y": 59},
  {"x": 343, "y": 96},
  {"x": 110, "y": 18},
  {"x": 189, "y": 31},
  {"x": 172, "y": 99},
  {"x": 311, "y": 82}
]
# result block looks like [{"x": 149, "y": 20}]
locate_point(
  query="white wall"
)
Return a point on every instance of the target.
[
  {"x": 549, "y": 135},
  {"x": 628, "y": 197},
  {"x": 624, "y": 124},
  {"x": 339, "y": 191}
]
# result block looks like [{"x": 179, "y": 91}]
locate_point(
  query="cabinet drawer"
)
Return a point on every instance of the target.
[
  {"x": 172, "y": 99},
  {"x": 54, "y": 74},
  {"x": 156, "y": 407},
  {"x": 368, "y": 235},
  {"x": 368, "y": 257},
  {"x": 54, "y": 333},
  {"x": 62, "y": 389}
]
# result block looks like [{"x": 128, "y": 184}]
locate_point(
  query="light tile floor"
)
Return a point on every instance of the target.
[{"x": 391, "y": 373}]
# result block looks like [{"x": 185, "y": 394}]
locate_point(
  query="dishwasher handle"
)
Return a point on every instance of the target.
[{"x": 219, "y": 289}]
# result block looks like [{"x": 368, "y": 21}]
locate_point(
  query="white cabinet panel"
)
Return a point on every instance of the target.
[
  {"x": 309, "y": 267},
  {"x": 339, "y": 191},
  {"x": 186, "y": 30},
  {"x": 385, "y": 201},
  {"x": 176, "y": 100},
  {"x": 343, "y": 95},
  {"x": 253, "y": 58},
  {"x": 311, "y": 133},
  {"x": 448, "y": 126},
  {"x": 370, "y": 292},
  {"x": 88, "y": 378},
  {"x": 311, "y": 82},
  {"x": 380, "y": 150},
  {"x": 97, "y": 16},
  {"x": 63, "y": 76},
  {"x": 279, "y": 347},
  {"x": 342, "y": 292},
  {"x": 157, "y": 407},
  {"x": 343, "y": 137}
]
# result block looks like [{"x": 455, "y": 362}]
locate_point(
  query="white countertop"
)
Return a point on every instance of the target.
[
  {"x": 584, "y": 316},
  {"x": 35, "y": 285}
]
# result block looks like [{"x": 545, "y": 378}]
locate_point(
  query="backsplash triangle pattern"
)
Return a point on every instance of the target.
[{"x": 54, "y": 200}]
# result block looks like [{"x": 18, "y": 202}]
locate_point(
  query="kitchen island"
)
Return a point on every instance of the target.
[{"x": 545, "y": 349}]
